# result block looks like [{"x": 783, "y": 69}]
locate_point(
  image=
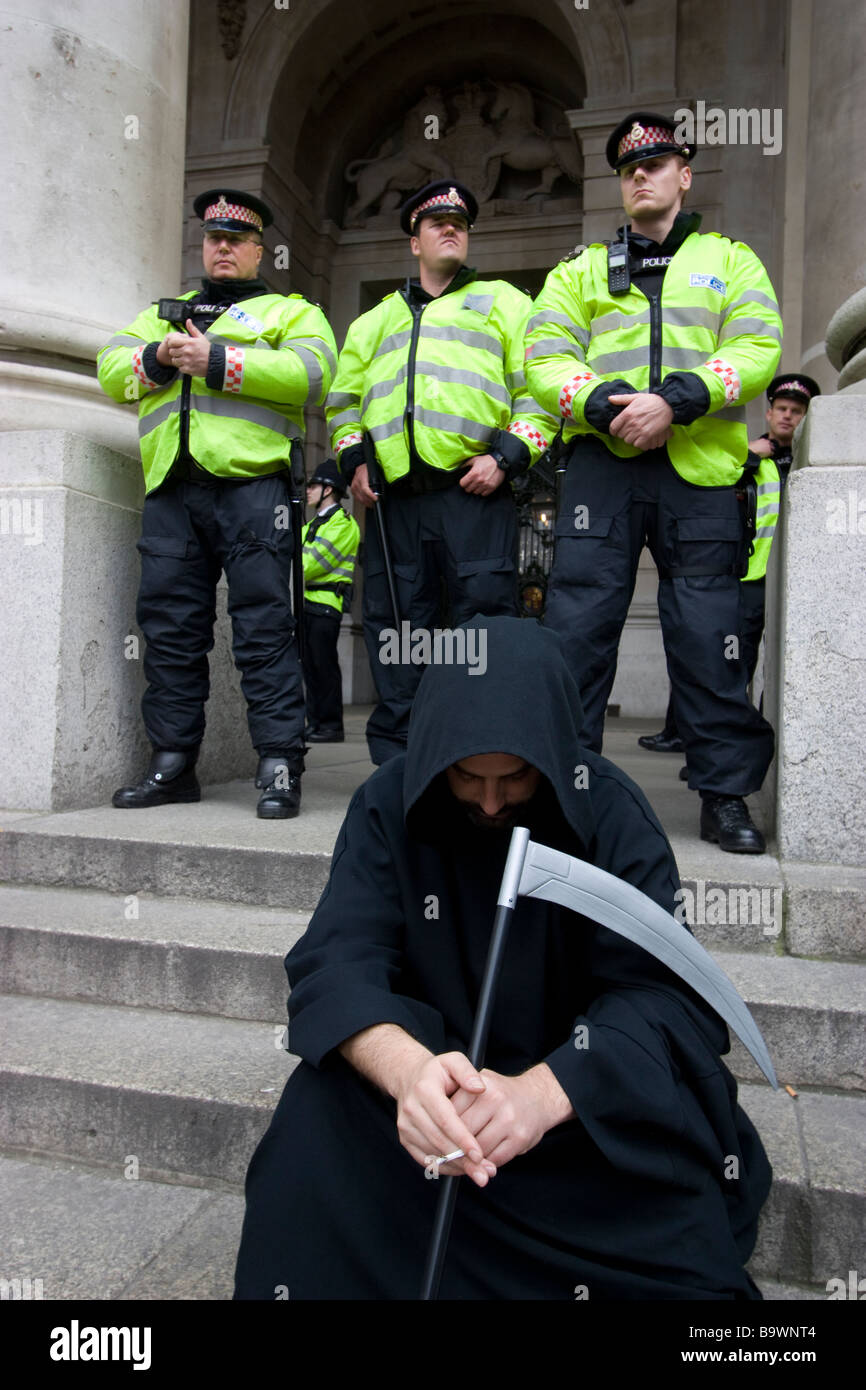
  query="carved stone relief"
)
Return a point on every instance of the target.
[
  {"x": 231, "y": 17},
  {"x": 492, "y": 136}
]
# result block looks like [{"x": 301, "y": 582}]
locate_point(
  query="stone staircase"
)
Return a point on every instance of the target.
[{"x": 144, "y": 1013}]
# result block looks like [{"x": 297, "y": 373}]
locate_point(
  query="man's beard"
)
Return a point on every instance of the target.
[{"x": 513, "y": 815}]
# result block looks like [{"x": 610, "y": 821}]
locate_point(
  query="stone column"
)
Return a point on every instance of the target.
[
  {"x": 93, "y": 100},
  {"x": 815, "y": 694}
]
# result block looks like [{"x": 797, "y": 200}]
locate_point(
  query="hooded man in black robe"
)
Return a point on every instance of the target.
[{"x": 606, "y": 1155}]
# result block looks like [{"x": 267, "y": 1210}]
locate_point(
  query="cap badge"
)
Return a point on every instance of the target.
[
  {"x": 636, "y": 131},
  {"x": 222, "y": 207}
]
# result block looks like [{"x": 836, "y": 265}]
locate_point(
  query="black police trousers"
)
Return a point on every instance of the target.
[
  {"x": 322, "y": 676},
  {"x": 752, "y": 596},
  {"x": 610, "y": 509},
  {"x": 450, "y": 540},
  {"x": 190, "y": 533}
]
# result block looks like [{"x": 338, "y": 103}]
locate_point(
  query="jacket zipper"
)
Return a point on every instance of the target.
[
  {"x": 655, "y": 379},
  {"x": 184, "y": 417},
  {"x": 410, "y": 377}
]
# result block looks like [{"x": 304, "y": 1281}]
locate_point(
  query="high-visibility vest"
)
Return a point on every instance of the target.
[
  {"x": 447, "y": 376},
  {"x": 329, "y": 558},
  {"x": 717, "y": 317},
  {"x": 280, "y": 354},
  {"x": 769, "y": 485}
]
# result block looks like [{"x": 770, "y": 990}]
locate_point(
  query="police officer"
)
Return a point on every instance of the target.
[
  {"x": 769, "y": 459},
  {"x": 221, "y": 385},
  {"x": 789, "y": 395},
  {"x": 331, "y": 543},
  {"x": 434, "y": 376},
  {"x": 648, "y": 348}
]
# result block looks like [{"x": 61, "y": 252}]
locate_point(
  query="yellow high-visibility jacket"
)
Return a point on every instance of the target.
[
  {"x": 446, "y": 377},
  {"x": 717, "y": 317},
  {"x": 769, "y": 485},
  {"x": 280, "y": 353},
  {"x": 329, "y": 557}
]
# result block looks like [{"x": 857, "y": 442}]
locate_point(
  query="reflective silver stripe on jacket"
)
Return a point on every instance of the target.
[
  {"x": 345, "y": 417},
  {"x": 339, "y": 555},
  {"x": 315, "y": 375},
  {"x": 393, "y": 342},
  {"x": 120, "y": 340},
  {"x": 559, "y": 346},
  {"x": 231, "y": 407},
  {"x": 450, "y": 333},
  {"x": 616, "y": 319},
  {"x": 318, "y": 344},
  {"x": 326, "y": 562},
  {"x": 556, "y": 316},
  {"x": 625, "y": 360},
  {"x": 690, "y": 316},
  {"x": 753, "y": 297},
  {"x": 734, "y": 328},
  {"x": 437, "y": 371}
]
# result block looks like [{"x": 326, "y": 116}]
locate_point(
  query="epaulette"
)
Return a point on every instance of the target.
[{"x": 573, "y": 255}]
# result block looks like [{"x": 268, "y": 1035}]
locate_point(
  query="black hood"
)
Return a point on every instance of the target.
[{"x": 513, "y": 694}]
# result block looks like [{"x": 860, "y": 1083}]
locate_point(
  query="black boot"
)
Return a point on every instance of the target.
[
  {"x": 665, "y": 742},
  {"x": 725, "y": 821},
  {"x": 281, "y": 778},
  {"x": 322, "y": 735},
  {"x": 169, "y": 777}
]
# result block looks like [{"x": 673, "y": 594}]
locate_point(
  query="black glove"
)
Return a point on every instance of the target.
[
  {"x": 686, "y": 395},
  {"x": 598, "y": 410},
  {"x": 350, "y": 460},
  {"x": 510, "y": 452}
]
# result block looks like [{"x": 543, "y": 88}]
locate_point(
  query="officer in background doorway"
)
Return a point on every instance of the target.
[{"x": 330, "y": 542}]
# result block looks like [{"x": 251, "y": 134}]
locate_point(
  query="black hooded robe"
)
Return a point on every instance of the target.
[{"x": 653, "y": 1190}]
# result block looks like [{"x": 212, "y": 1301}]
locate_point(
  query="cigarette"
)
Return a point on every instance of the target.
[{"x": 449, "y": 1158}]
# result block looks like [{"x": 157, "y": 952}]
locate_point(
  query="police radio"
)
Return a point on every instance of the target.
[
  {"x": 179, "y": 310},
  {"x": 618, "y": 277}
]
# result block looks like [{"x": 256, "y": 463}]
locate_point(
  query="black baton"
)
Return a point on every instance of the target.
[
  {"x": 377, "y": 486},
  {"x": 299, "y": 478}
]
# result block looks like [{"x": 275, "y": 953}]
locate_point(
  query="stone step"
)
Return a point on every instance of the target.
[
  {"x": 161, "y": 953},
  {"x": 178, "y": 1097},
  {"x": 813, "y": 1225},
  {"x": 812, "y": 1015},
  {"x": 227, "y": 960},
  {"x": 72, "y": 1231},
  {"x": 218, "y": 850},
  {"x": 179, "y": 1093}
]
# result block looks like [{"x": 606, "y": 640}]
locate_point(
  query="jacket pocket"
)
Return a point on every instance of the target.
[{"x": 173, "y": 547}]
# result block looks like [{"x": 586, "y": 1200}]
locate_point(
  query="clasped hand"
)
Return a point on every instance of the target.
[
  {"x": 645, "y": 422},
  {"x": 188, "y": 352},
  {"x": 445, "y": 1104}
]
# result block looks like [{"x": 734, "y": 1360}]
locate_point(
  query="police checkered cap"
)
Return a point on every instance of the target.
[
  {"x": 230, "y": 210},
  {"x": 643, "y": 135}
]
